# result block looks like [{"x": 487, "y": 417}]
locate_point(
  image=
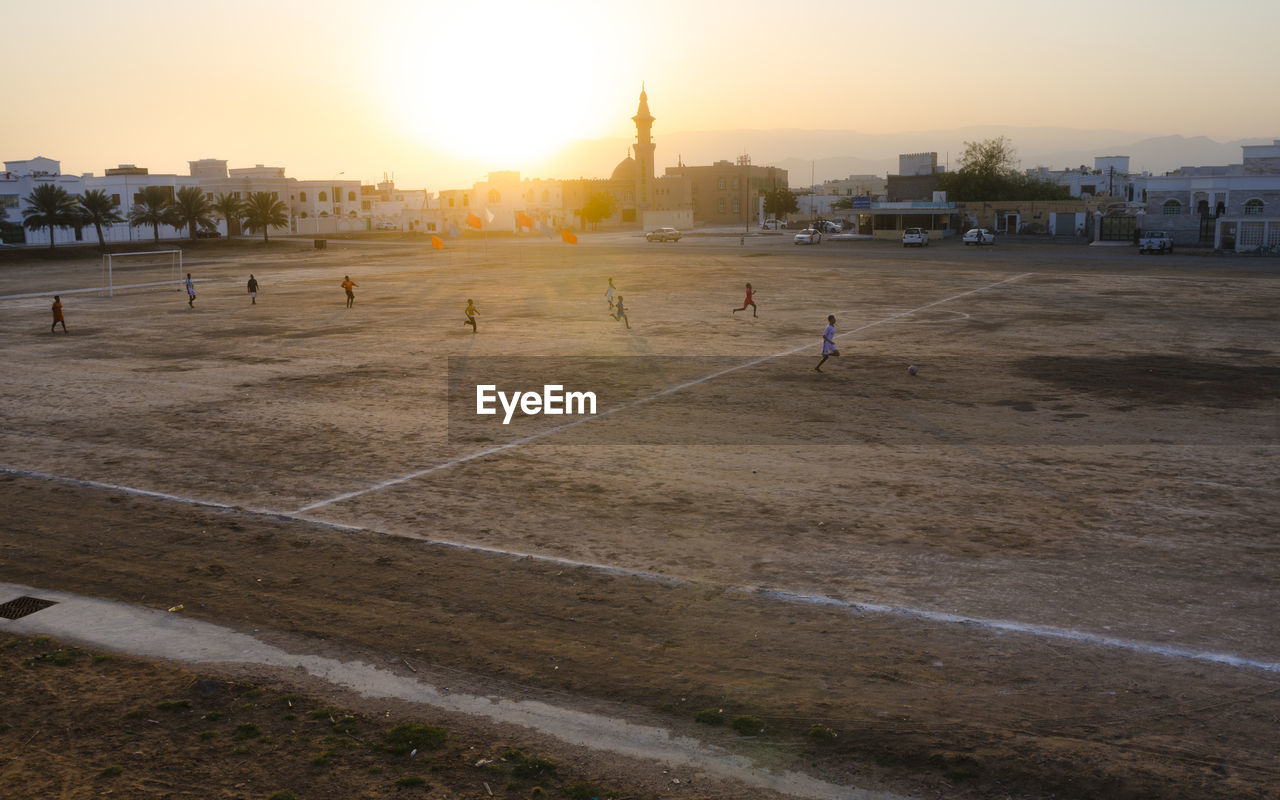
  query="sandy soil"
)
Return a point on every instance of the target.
[{"x": 1088, "y": 453}]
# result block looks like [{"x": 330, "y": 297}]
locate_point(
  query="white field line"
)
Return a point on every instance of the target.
[
  {"x": 102, "y": 289},
  {"x": 1174, "y": 652},
  {"x": 641, "y": 401}
]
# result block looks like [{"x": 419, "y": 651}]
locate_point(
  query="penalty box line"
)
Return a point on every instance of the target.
[
  {"x": 641, "y": 401},
  {"x": 1174, "y": 652}
]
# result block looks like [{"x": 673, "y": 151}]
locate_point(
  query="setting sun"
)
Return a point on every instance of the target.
[{"x": 503, "y": 88}]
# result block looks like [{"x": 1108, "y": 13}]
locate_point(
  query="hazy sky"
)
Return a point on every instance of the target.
[{"x": 441, "y": 93}]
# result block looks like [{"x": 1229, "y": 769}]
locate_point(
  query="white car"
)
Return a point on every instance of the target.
[
  {"x": 979, "y": 236},
  {"x": 663, "y": 235},
  {"x": 830, "y": 226},
  {"x": 915, "y": 236},
  {"x": 808, "y": 236}
]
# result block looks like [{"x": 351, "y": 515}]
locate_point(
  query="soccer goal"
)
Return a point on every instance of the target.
[{"x": 146, "y": 264}]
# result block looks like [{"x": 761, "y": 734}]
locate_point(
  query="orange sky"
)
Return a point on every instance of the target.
[{"x": 442, "y": 93}]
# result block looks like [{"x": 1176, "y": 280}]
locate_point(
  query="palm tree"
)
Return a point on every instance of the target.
[
  {"x": 231, "y": 208},
  {"x": 99, "y": 209},
  {"x": 150, "y": 209},
  {"x": 191, "y": 208},
  {"x": 49, "y": 206},
  {"x": 262, "y": 211}
]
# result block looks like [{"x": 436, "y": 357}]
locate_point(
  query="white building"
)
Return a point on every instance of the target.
[
  {"x": 1110, "y": 177},
  {"x": 854, "y": 186},
  {"x": 1233, "y": 207}
]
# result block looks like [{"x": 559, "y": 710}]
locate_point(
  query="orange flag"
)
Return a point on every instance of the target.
[
  {"x": 474, "y": 221},
  {"x": 567, "y": 236},
  {"x": 437, "y": 242},
  {"x": 524, "y": 220}
]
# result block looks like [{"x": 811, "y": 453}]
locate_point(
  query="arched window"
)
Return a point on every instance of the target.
[
  {"x": 302, "y": 197},
  {"x": 1172, "y": 208},
  {"x": 494, "y": 197},
  {"x": 324, "y": 198},
  {"x": 1254, "y": 206}
]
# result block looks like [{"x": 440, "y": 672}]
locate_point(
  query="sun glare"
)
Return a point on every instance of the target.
[{"x": 503, "y": 88}]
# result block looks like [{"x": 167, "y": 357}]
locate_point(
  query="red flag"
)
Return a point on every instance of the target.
[
  {"x": 474, "y": 221},
  {"x": 524, "y": 220},
  {"x": 567, "y": 236},
  {"x": 437, "y": 242}
]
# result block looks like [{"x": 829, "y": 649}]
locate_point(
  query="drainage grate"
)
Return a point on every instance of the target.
[{"x": 16, "y": 609}]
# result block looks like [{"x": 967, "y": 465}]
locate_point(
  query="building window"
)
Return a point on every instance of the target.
[
  {"x": 236, "y": 195},
  {"x": 1171, "y": 208},
  {"x": 115, "y": 200},
  {"x": 720, "y": 203},
  {"x": 364, "y": 205},
  {"x": 719, "y": 183},
  {"x": 1253, "y": 207},
  {"x": 450, "y": 202},
  {"x": 737, "y": 205},
  {"x": 302, "y": 197},
  {"x": 275, "y": 195},
  {"x": 466, "y": 201},
  {"x": 737, "y": 183},
  {"x": 324, "y": 197},
  {"x": 351, "y": 196}
]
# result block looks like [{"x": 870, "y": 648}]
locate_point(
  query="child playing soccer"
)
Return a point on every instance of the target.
[
  {"x": 620, "y": 313},
  {"x": 471, "y": 314},
  {"x": 748, "y": 302},
  {"x": 191, "y": 292},
  {"x": 828, "y": 342},
  {"x": 348, "y": 285},
  {"x": 609, "y": 293},
  {"x": 57, "y": 315}
]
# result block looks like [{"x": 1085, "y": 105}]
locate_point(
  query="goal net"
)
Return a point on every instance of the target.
[{"x": 138, "y": 270}]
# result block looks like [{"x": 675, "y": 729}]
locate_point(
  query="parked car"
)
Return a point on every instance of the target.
[
  {"x": 663, "y": 235},
  {"x": 915, "y": 236},
  {"x": 979, "y": 236},
  {"x": 830, "y": 226},
  {"x": 773, "y": 225},
  {"x": 207, "y": 233},
  {"x": 1155, "y": 242},
  {"x": 808, "y": 236}
]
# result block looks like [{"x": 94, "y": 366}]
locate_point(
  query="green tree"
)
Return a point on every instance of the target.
[
  {"x": 987, "y": 172},
  {"x": 231, "y": 208},
  {"x": 151, "y": 209},
  {"x": 49, "y": 206},
  {"x": 780, "y": 202},
  {"x": 99, "y": 209},
  {"x": 262, "y": 212},
  {"x": 598, "y": 207},
  {"x": 191, "y": 207}
]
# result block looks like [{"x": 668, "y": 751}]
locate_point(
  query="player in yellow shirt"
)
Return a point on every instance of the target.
[{"x": 471, "y": 314}]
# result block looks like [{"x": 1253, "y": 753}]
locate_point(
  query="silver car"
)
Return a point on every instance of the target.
[
  {"x": 979, "y": 236},
  {"x": 808, "y": 236}
]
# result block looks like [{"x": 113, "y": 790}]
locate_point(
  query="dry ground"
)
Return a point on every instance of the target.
[{"x": 1088, "y": 451}]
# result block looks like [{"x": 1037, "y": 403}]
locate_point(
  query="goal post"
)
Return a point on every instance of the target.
[{"x": 170, "y": 259}]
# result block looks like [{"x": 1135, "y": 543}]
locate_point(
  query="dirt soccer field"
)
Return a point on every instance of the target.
[{"x": 1045, "y": 566}]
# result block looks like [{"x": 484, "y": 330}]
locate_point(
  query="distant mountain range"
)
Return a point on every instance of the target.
[{"x": 816, "y": 156}]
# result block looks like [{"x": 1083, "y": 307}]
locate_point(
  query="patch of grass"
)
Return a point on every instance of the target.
[
  {"x": 256, "y": 691},
  {"x": 748, "y": 725},
  {"x": 375, "y": 770},
  {"x": 41, "y": 641},
  {"x": 98, "y": 658},
  {"x": 246, "y": 730},
  {"x": 206, "y": 735},
  {"x": 410, "y": 780},
  {"x": 136, "y": 713},
  {"x": 174, "y": 705},
  {"x": 885, "y": 760},
  {"x": 324, "y": 713},
  {"x": 4, "y": 726},
  {"x": 213, "y": 716},
  {"x": 322, "y": 758},
  {"x": 286, "y": 795},
  {"x": 710, "y": 716},
  {"x": 821, "y": 733},
  {"x": 242, "y": 750},
  {"x": 962, "y": 773},
  {"x": 407, "y": 737},
  {"x": 290, "y": 717},
  {"x": 289, "y": 699},
  {"x": 59, "y": 658},
  {"x": 248, "y": 706},
  {"x": 526, "y": 766},
  {"x": 111, "y": 771},
  {"x": 346, "y": 725}
]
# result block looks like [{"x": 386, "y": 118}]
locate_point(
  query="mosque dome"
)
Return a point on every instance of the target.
[{"x": 625, "y": 171}]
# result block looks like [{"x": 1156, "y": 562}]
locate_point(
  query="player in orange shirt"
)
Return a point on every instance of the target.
[
  {"x": 57, "y": 315},
  {"x": 349, "y": 284}
]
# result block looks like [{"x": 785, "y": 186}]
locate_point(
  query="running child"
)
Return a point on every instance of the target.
[
  {"x": 828, "y": 342},
  {"x": 348, "y": 285},
  {"x": 471, "y": 314},
  {"x": 57, "y": 315},
  {"x": 191, "y": 292},
  {"x": 253, "y": 289},
  {"x": 620, "y": 313},
  {"x": 609, "y": 293},
  {"x": 748, "y": 302}
]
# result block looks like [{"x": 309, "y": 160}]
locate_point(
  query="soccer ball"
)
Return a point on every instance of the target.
[{"x": 912, "y": 370}]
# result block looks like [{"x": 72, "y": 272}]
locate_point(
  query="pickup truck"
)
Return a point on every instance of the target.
[{"x": 1155, "y": 242}]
